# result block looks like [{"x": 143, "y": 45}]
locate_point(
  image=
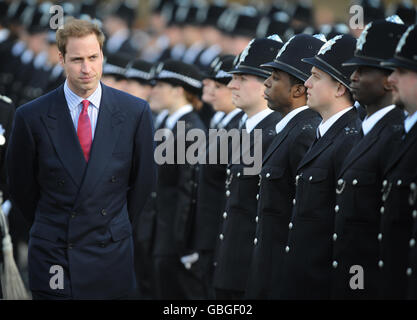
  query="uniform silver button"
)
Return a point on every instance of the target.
[
  {"x": 334, "y": 264},
  {"x": 334, "y": 236},
  {"x": 228, "y": 171},
  {"x": 414, "y": 214},
  {"x": 355, "y": 182},
  {"x": 412, "y": 242},
  {"x": 340, "y": 182},
  {"x": 413, "y": 186},
  {"x": 287, "y": 249},
  {"x": 255, "y": 241},
  {"x": 384, "y": 183},
  {"x": 215, "y": 263},
  {"x": 310, "y": 178},
  {"x": 382, "y": 210},
  {"x": 380, "y": 263},
  {"x": 379, "y": 236},
  {"x": 268, "y": 175},
  {"x": 290, "y": 225},
  {"x": 257, "y": 196},
  {"x": 293, "y": 202},
  {"x": 224, "y": 215},
  {"x": 256, "y": 219},
  {"x": 238, "y": 174},
  {"x": 409, "y": 271},
  {"x": 336, "y": 208},
  {"x": 227, "y": 193},
  {"x": 399, "y": 182},
  {"x": 221, "y": 236}
]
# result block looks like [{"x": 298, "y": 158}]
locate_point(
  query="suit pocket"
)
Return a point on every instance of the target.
[
  {"x": 46, "y": 232},
  {"x": 120, "y": 230}
]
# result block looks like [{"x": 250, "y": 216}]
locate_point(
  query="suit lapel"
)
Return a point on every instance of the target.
[
  {"x": 409, "y": 139},
  {"x": 324, "y": 142},
  {"x": 63, "y": 136},
  {"x": 107, "y": 132}
]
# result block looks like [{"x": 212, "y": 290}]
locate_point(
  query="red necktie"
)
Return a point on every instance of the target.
[{"x": 84, "y": 130}]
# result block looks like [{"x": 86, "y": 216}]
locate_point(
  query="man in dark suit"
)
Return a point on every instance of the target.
[
  {"x": 80, "y": 165},
  {"x": 285, "y": 93},
  {"x": 307, "y": 263},
  {"x": 358, "y": 188},
  {"x": 398, "y": 256},
  {"x": 234, "y": 247}
]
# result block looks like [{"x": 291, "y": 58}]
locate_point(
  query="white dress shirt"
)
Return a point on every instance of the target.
[
  {"x": 75, "y": 106},
  {"x": 225, "y": 121},
  {"x": 325, "y": 126},
  {"x": 369, "y": 122},
  {"x": 173, "y": 118},
  {"x": 410, "y": 121},
  {"x": 253, "y": 121},
  {"x": 284, "y": 121}
]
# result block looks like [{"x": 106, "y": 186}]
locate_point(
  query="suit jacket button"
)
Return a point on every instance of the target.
[
  {"x": 70, "y": 245},
  {"x": 268, "y": 175},
  {"x": 399, "y": 182},
  {"x": 257, "y": 196},
  {"x": 113, "y": 179},
  {"x": 228, "y": 171},
  {"x": 334, "y": 236},
  {"x": 379, "y": 236},
  {"x": 382, "y": 210},
  {"x": 414, "y": 214},
  {"x": 340, "y": 182},
  {"x": 221, "y": 237},
  {"x": 255, "y": 241},
  {"x": 238, "y": 174},
  {"x": 409, "y": 271},
  {"x": 290, "y": 225},
  {"x": 412, "y": 243},
  {"x": 384, "y": 183},
  {"x": 355, "y": 182},
  {"x": 287, "y": 249},
  {"x": 256, "y": 219},
  {"x": 334, "y": 264},
  {"x": 224, "y": 215},
  {"x": 227, "y": 193},
  {"x": 380, "y": 263},
  {"x": 103, "y": 212}
]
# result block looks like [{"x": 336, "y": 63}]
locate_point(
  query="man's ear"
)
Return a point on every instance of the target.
[
  {"x": 298, "y": 90},
  {"x": 387, "y": 84},
  {"x": 61, "y": 59},
  {"x": 340, "y": 90}
]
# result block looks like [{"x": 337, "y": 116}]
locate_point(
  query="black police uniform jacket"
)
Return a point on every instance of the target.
[
  {"x": 175, "y": 199},
  {"x": 276, "y": 192},
  {"x": 397, "y": 245},
  {"x": 235, "y": 241},
  {"x": 211, "y": 199},
  {"x": 307, "y": 261},
  {"x": 357, "y": 210}
]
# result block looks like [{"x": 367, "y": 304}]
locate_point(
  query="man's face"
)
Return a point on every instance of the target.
[
  {"x": 247, "y": 91},
  {"x": 404, "y": 84},
  {"x": 278, "y": 90},
  {"x": 321, "y": 90},
  {"x": 208, "y": 86},
  {"x": 367, "y": 84},
  {"x": 222, "y": 97},
  {"x": 83, "y": 64}
]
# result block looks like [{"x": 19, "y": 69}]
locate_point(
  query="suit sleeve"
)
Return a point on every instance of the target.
[
  {"x": 143, "y": 174},
  {"x": 21, "y": 168}
]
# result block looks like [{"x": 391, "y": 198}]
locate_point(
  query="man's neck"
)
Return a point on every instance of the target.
[
  {"x": 252, "y": 111},
  {"x": 379, "y": 104},
  {"x": 332, "y": 110}
]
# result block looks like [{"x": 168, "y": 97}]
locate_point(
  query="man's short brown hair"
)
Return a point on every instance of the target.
[{"x": 77, "y": 28}]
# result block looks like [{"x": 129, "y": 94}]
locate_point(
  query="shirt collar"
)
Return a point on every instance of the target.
[
  {"x": 74, "y": 100},
  {"x": 410, "y": 121},
  {"x": 284, "y": 121},
  {"x": 325, "y": 126},
  {"x": 253, "y": 121},
  {"x": 369, "y": 122},
  {"x": 225, "y": 121},
  {"x": 173, "y": 118}
]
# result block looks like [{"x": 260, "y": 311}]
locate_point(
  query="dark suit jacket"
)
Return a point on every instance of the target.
[
  {"x": 412, "y": 255},
  {"x": 397, "y": 222},
  {"x": 7, "y": 111},
  {"x": 175, "y": 199},
  {"x": 358, "y": 198},
  {"x": 235, "y": 241},
  {"x": 307, "y": 261},
  {"x": 80, "y": 212},
  {"x": 276, "y": 192}
]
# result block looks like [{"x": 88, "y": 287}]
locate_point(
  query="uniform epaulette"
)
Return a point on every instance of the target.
[{"x": 5, "y": 99}]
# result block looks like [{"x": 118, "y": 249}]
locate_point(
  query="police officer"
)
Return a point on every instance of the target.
[
  {"x": 285, "y": 93},
  {"x": 358, "y": 198},
  {"x": 398, "y": 194},
  {"x": 177, "y": 88},
  {"x": 235, "y": 240},
  {"x": 212, "y": 176},
  {"x": 307, "y": 262}
]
